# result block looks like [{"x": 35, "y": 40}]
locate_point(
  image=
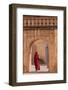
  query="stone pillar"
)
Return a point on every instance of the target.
[{"x": 52, "y": 52}]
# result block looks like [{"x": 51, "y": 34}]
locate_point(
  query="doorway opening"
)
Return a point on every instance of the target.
[{"x": 41, "y": 48}]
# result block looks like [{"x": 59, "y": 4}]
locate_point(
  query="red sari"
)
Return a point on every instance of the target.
[{"x": 36, "y": 61}]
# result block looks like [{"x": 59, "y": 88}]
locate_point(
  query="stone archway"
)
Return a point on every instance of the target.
[
  {"x": 50, "y": 37},
  {"x": 39, "y": 46}
]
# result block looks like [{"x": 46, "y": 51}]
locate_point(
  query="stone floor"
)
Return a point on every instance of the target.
[{"x": 43, "y": 68}]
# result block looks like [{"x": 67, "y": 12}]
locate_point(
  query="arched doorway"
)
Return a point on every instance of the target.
[{"x": 40, "y": 46}]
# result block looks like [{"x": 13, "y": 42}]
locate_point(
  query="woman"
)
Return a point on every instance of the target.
[{"x": 36, "y": 61}]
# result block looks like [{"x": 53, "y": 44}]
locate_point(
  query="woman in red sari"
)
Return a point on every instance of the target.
[{"x": 36, "y": 61}]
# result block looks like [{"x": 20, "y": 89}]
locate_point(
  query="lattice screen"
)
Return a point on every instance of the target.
[{"x": 40, "y": 21}]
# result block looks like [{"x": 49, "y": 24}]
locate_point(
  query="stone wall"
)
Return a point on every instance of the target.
[{"x": 47, "y": 35}]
